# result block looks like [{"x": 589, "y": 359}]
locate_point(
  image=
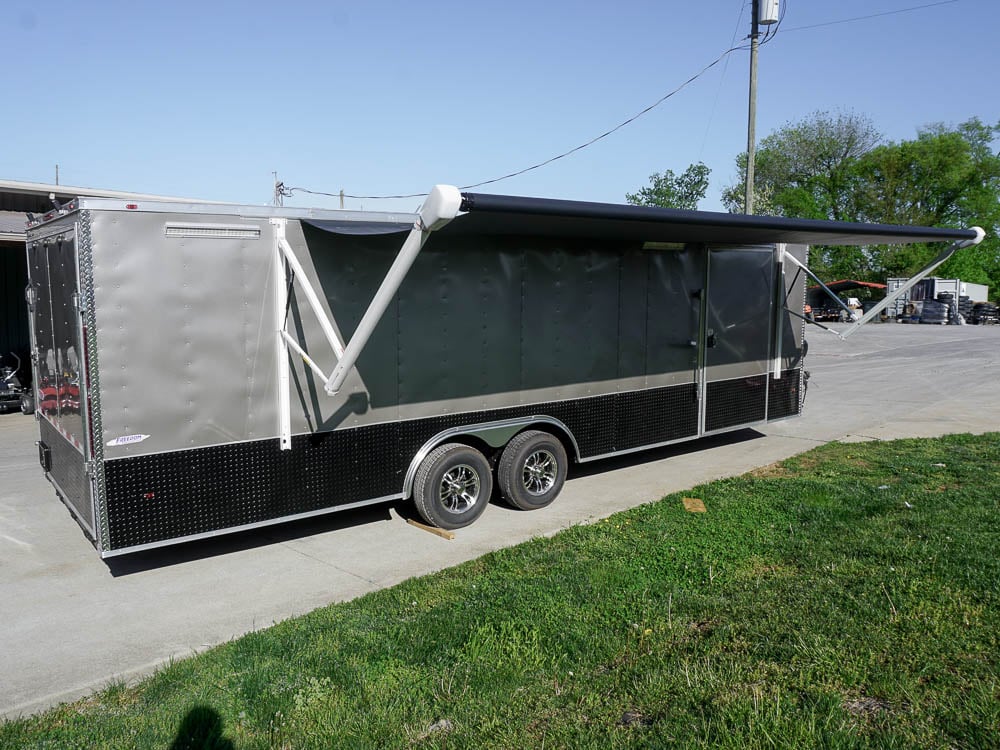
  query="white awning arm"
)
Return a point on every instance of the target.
[
  {"x": 305, "y": 357},
  {"x": 923, "y": 273},
  {"x": 441, "y": 206},
  {"x": 311, "y": 297}
]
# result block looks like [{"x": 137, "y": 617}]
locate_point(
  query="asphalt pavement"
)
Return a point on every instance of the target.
[{"x": 71, "y": 623}]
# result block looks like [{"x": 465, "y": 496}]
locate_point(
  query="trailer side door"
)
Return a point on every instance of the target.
[{"x": 736, "y": 337}]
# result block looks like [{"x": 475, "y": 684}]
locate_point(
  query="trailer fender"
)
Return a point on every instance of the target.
[{"x": 494, "y": 434}]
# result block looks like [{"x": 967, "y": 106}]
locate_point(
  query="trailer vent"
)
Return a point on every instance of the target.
[{"x": 217, "y": 231}]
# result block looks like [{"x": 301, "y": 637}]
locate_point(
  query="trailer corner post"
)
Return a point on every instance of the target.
[
  {"x": 913, "y": 280},
  {"x": 441, "y": 206}
]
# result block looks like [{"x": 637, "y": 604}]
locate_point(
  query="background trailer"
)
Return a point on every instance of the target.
[{"x": 204, "y": 369}]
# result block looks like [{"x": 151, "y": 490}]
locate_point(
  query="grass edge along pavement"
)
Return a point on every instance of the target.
[{"x": 846, "y": 597}]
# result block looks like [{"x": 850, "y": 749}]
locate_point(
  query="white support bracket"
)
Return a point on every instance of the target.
[
  {"x": 779, "y": 306},
  {"x": 280, "y": 307},
  {"x": 441, "y": 206}
]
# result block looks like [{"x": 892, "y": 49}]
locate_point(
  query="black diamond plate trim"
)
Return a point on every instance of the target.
[
  {"x": 729, "y": 403},
  {"x": 784, "y": 395},
  {"x": 68, "y": 471},
  {"x": 164, "y": 496},
  {"x": 656, "y": 416}
]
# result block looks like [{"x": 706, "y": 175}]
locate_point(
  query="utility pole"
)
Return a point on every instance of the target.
[
  {"x": 278, "y": 191},
  {"x": 767, "y": 16},
  {"x": 752, "y": 115}
]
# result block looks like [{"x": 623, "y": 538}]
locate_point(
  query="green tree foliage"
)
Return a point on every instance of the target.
[
  {"x": 836, "y": 166},
  {"x": 946, "y": 177},
  {"x": 669, "y": 190},
  {"x": 807, "y": 169}
]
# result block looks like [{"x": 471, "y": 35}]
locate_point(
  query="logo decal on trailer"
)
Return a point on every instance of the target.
[{"x": 127, "y": 440}]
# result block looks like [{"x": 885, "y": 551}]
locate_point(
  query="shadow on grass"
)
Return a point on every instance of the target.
[
  {"x": 228, "y": 543},
  {"x": 201, "y": 729}
]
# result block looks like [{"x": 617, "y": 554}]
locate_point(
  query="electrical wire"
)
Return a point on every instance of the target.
[
  {"x": 873, "y": 15},
  {"x": 539, "y": 165},
  {"x": 769, "y": 36},
  {"x": 722, "y": 78}
]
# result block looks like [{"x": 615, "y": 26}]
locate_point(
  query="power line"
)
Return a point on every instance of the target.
[
  {"x": 563, "y": 155},
  {"x": 873, "y": 15},
  {"x": 722, "y": 78}
]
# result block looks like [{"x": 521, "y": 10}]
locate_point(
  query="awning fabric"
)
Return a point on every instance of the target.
[
  {"x": 359, "y": 227},
  {"x": 505, "y": 214}
]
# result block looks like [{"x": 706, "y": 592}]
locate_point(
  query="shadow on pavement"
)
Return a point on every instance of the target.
[
  {"x": 668, "y": 451},
  {"x": 225, "y": 544},
  {"x": 240, "y": 541}
]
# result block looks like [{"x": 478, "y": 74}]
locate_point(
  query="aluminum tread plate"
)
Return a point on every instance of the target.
[
  {"x": 785, "y": 395},
  {"x": 68, "y": 472},
  {"x": 158, "y": 497}
]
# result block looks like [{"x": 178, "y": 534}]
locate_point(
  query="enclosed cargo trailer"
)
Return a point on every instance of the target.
[{"x": 182, "y": 351}]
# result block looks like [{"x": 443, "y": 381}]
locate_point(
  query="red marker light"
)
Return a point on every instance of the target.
[{"x": 131, "y": 206}]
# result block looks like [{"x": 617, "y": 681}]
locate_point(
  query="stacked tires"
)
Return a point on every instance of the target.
[
  {"x": 454, "y": 483},
  {"x": 984, "y": 313},
  {"x": 934, "y": 312},
  {"x": 965, "y": 308}
]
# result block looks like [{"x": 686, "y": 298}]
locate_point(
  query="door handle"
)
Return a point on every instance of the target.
[{"x": 710, "y": 341}]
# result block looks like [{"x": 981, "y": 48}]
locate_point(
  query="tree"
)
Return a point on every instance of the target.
[
  {"x": 949, "y": 177},
  {"x": 837, "y": 167},
  {"x": 668, "y": 190},
  {"x": 806, "y": 169}
]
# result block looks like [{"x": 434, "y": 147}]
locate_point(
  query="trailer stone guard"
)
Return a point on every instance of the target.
[{"x": 203, "y": 369}]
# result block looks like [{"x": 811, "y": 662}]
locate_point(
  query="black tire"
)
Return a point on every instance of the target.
[
  {"x": 27, "y": 403},
  {"x": 532, "y": 470},
  {"x": 453, "y": 486}
]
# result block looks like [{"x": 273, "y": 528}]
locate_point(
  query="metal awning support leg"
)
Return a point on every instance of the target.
[
  {"x": 779, "y": 308},
  {"x": 923, "y": 273},
  {"x": 440, "y": 207},
  {"x": 284, "y": 374},
  {"x": 288, "y": 255},
  {"x": 815, "y": 278}
]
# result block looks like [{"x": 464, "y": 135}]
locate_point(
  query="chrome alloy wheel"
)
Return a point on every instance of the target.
[
  {"x": 539, "y": 474},
  {"x": 460, "y": 488}
]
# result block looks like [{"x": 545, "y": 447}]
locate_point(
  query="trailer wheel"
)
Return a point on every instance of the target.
[
  {"x": 453, "y": 486},
  {"x": 27, "y": 404},
  {"x": 532, "y": 470}
]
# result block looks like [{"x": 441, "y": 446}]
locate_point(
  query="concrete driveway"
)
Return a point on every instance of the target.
[{"x": 70, "y": 623}]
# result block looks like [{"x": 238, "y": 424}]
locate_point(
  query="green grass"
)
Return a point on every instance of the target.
[{"x": 845, "y": 598}]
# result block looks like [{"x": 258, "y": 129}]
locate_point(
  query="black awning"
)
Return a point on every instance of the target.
[
  {"x": 506, "y": 214},
  {"x": 337, "y": 226}
]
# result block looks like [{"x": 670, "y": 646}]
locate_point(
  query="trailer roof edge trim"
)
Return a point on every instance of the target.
[{"x": 506, "y": 214}]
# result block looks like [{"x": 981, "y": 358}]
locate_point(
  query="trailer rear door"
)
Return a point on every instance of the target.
[{"x": 53, "y": 298}]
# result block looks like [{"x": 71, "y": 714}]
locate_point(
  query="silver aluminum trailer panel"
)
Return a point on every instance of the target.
[{"x": 182, "y": 350}]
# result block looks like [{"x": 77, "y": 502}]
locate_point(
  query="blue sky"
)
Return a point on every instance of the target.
[{"x": 207, "y": 99}]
